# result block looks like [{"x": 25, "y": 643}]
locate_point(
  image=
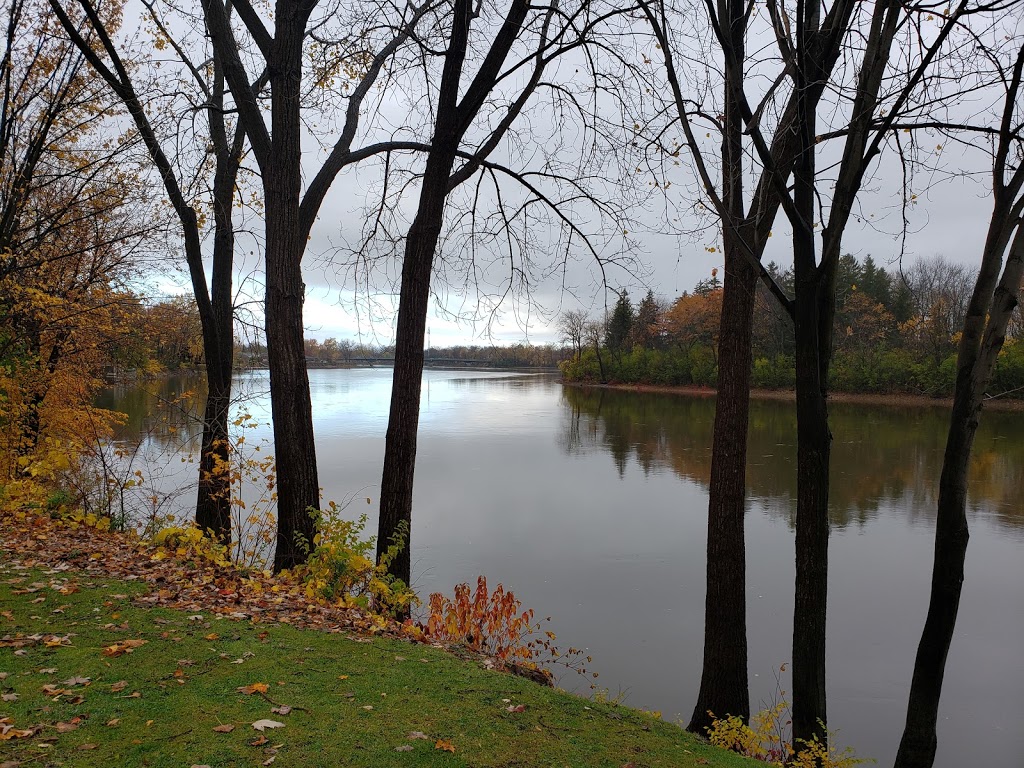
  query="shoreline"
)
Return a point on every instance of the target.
[{"x": 889, "y": 400}]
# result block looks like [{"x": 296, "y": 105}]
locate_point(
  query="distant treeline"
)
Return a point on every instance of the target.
[
  {"x": 334, "y": 352},
  {"x": 896, "y": 332}
]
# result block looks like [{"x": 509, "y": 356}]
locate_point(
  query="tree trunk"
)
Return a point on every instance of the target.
[
  {"x": 992, "y": 303},
  {"x": 298, "y": 488},
  {"x": 815, "y": 294},
  {"x": 919, "y": 742},
  {"x": 812, "y": 529},
  {"x": 723, "y": 686},
  {"x": 213, "y": 502},
  {"x": 403, "y": 420}
]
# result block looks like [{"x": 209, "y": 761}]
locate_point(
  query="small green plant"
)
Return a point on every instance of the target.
[
  {"x": 189, "y": 543},
  {"x": 340, "y": 565},
  {"x": 766, "y": 739}
]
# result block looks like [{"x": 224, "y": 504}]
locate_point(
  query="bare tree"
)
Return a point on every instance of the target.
[
  {"x": 360, "y": 45},
  {"x": 517, "y": 52},
  {"x": 571, "y": 326},
  {"x": 836, "y": 62},
  {"x": 182, "y": 162},
  {"x": 992, "y": 303}
]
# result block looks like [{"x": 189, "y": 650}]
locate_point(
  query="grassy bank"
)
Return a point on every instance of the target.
[{"x": 94, "y": 676}]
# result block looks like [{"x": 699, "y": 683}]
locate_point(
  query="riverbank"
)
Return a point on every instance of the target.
[
  {"x": 108, "y": 657},
  {"x": 894, "y": 400}
]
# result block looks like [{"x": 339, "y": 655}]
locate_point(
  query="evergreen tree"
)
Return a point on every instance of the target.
[
  {"x": 620, "y": 323},
  {"x": 644, "y": 331}
]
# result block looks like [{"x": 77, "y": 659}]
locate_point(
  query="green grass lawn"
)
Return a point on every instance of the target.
[{"x": 352, "y": 701}]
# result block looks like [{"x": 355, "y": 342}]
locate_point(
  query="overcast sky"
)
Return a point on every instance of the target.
[{"x": 948, "y": 218}]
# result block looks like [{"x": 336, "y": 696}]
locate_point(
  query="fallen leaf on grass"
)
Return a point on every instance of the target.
[
  {"x": 517, "y": 708},
  {"x": 259, "y": 742},
  {"x": 66, "y": 727},
  {"x": 76, "y": 680},
  {"x": 52, "y": 690},
  {"x": 284, "y": 709},
  {"x": 125, "y": 646},
  {"x": 270, "y": 760},
  {"x": 445, "y": 745},
  {"x": 8, "y": 731},
  {"x": 259, "y": 725},
  {"x": 404, "y": 748},
  {"x": 9, "y": 697},
  {"x": 88, "y": 746},
  {"x": 133, "y": 695},
  {"x": 417, "y": 735},
  {"x": 114, "y": 722},
  {"x": 226, "y": 728},
  {"x": 249, "y": 690},
  {"x": 119, "y": 686}
]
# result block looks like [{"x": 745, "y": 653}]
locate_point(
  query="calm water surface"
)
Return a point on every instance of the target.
[{"x": 591, "y": 506}]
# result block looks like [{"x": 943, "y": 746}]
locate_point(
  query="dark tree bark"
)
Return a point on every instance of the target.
[
  {"x": 992, "y": 304},
  {"x": 298, "y": 488},
  {"x": 278, "y": 152},
  {"x": 723, "y": 684},
  {"x": 403, "y": 419},
  {"x": 814, "y": 295}
]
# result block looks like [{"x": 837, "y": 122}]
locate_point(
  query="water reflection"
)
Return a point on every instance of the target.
[{"x": 882, "y": 457}]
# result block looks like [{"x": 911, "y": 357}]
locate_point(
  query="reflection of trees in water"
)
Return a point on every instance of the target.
[
  {"x": 881, "y": 456},
  {"x": 166, "y": 411}
]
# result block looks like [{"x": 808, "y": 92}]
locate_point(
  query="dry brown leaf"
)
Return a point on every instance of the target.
[
  {"x": 417, "y": 735},
  {"x": 404, "y": 748},
  {"x": 226, "y": 728},
  {"x": 445, "y": 745},
  {"x": 119, "y": 686},
  {"x": 122, "y": 647},
  {"x": 284, "y": 709},
  {"x": 249, "y": 690}
]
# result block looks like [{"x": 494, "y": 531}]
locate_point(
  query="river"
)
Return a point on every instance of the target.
[{"x": 591, "y": 506}]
